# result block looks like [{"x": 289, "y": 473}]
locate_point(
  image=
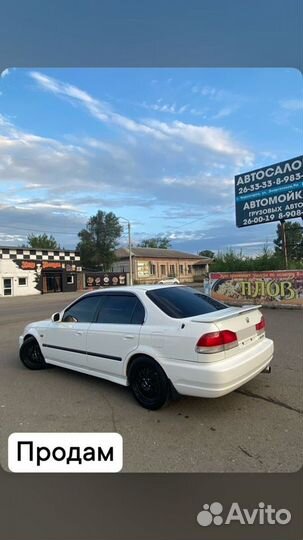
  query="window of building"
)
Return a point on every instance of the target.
[
  {"x": 152, "y": 269},
  {"x": 22, "y": 281},
  {"x": 7, "y": 286},
  {"x": 163, "y": 270},
  {"x": 189, "y": 268},
  {"x": 70, "y": 279},
  {"x": 143, "y": 268},
  {"x": 181, "y": 268},
  {"x": 172, "y": 270}
]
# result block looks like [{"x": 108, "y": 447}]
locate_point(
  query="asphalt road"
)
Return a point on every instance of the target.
[{"x": 257, "y": 428}]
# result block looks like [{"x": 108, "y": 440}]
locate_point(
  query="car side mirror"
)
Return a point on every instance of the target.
[{"x": 56, "y": 317}]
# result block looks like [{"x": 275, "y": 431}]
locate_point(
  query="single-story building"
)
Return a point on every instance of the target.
[
  {"x": 149, "y": 265},
  {"x": 25, "y": 271}
]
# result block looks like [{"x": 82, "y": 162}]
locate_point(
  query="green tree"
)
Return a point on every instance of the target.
[
  {"x": 294, "y": 240},
  {"x": 156, "y": 242},
  {"x": 267, "y": 260},
  {"x": 230, "y": 261},
  {"x": 207, "y": 253},
  {"x": 99, "y": 240},
  {"x": 42, "y": 241}
]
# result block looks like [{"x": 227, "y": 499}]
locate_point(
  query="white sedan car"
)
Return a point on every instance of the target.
[
  {"x": 168, "y": 281},
  {"x": 156, "y": 339}
]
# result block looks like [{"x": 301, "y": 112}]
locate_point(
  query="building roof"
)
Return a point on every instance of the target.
[
  {"x": 158, "y": 253},
  {"x": 28, "y": 248}
]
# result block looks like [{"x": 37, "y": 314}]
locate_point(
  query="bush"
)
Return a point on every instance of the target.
[{"x": 230, "y": 261}]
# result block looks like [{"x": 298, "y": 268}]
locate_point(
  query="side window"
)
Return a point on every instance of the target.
[
  {"x": 82, "y": 311},
  {"x": 138, "y": 314},
  {"x": 121, "y": 309}
]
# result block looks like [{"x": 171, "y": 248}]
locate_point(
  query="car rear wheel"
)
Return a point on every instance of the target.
[
  {"x": 31, "y": 355},
  {"x": 149, "y": 383}
]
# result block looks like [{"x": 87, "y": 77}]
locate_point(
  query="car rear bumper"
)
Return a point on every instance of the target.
[{"x": 215, "y": 379}]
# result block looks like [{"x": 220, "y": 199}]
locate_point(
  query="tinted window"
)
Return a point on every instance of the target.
[
  {"x": 121, "y": 309},
  {"x": 82, "y": 311},
  {"x": 180, "y": 302},
  {"x": 138, "y": 314}
]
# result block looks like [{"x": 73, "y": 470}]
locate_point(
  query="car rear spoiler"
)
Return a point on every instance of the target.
[{"x": 235, "y": 313}]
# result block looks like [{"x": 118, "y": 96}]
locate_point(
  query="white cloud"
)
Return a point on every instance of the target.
[
  {"x": 208, "y": 137},
  {"x": 268, "y": 154},
  {"x": 91, "y": 169},
  {"x": 292, "y": 104},
  {"x": 248, "y": 244},
  {"x": 171, "y": 108},
  {"x": 11, "y": 239},
  {"x": 56, "y": 184},
  {"x": 98, "y": 109},
  {"x": 169, "y": 181},
  {"x": 188, "y": 235},
  {"x": 211, "y": 138},
  {"x": 222, "y": 113},
  {"x": 5, "y": 73},
  {"x": 207, "y": 91}
]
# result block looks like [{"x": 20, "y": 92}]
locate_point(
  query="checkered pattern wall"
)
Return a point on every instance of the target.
[{"x": 38, "y": 254}]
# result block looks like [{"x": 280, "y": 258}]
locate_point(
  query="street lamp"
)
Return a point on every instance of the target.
[{"x": 129, "y": 249}]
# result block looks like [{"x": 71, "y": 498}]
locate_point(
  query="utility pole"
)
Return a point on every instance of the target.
[
  {"x": 284, "y": 243},
  {"x": 130, "y": 255},
  {"x": 129, "y": 250}
]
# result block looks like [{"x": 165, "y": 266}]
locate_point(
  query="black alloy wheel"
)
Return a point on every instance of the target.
[
  {"x": 149, "y": 383},
  {"x": 31, "y": 355}
]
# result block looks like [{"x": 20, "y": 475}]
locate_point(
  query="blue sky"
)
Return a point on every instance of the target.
[{"x": 159, "y": 147}]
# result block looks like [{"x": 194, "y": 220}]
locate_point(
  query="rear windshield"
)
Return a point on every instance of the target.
[{"x": 180, "y": 302}]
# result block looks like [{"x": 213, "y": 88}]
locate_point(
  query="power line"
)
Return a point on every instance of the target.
[
  {"x": 41, "y": 230},
  {"x": 36, "y": 230}
]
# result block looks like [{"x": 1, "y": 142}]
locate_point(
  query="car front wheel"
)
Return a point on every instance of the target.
[
  {"x": 149, "y": 383},
  {"x": 31, "y": 355}
]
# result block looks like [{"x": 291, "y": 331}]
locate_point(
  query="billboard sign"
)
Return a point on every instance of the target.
[
  {"x": 271, "y": 288},
  {"x": 272, "y": 193},
  {"x": 51, "y": 264},
  {"x": 27, "y": 265},
  {"x": 105, "y": 279}
]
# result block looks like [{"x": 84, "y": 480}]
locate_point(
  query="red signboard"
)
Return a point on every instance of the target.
[
  {"x": 28, "y": 265},
  {"x": 51, "y": 264}
]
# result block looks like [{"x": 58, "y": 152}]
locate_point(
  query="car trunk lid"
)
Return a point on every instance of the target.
[{"x": 242, "y": 321}]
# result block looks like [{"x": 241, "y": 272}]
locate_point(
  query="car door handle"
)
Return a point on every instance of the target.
[
  {"x": 128, "y": 337},
  {"x": 78, "y": 333}
]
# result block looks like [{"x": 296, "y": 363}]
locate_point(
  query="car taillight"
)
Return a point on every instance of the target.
[
  {"x": 214, "y": 342},
  {"x": 260, "y": 326}
]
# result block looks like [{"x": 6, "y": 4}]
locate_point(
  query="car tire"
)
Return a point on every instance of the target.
[
  {"x": 31, "y": 355},
  {"x": 149, "y": 384}
]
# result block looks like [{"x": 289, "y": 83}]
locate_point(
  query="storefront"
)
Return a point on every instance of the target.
[{"x": 25, "y": 271}]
